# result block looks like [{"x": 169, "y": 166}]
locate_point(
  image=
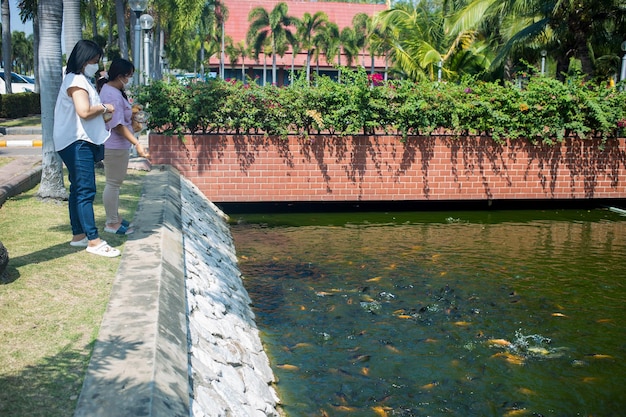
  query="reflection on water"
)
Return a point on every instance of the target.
[{"x": 433, "y": 314}]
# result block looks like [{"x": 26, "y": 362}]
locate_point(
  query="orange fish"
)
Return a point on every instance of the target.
[
  {"x": 601, "y": 356},
  {"x": 404, "y": 316},
  {"x": 604, "y": 320},
  {"x": 462, "y": 323},
  {"x": 429, "y": 386},
  {"x": 380, "y": 411},
  {"x": 499, "y": 342},
  {"x": 365, "y": 371},
  {"x": 375, "y": 279},
  {"x": 526, "y": 391},
  {"x": 558, "y": 315},
  {"x": 510, "y": 358}
]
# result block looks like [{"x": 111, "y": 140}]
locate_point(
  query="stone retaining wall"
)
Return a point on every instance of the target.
[{"x": 229, "y": 168}]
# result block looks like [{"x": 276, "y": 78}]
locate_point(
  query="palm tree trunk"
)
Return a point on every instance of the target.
[
  {"x": 120, "y": 13},
  {"x": 50, "y": 65},
  {"x": 36, "y": 52},
  {"x": 72, "y": 24},
  {"x": 6, "y": 44}
]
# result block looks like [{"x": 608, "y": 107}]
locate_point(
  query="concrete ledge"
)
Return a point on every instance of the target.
[
  {"x": 20, "y": 183},
  {"x": 139, "y": 366}
]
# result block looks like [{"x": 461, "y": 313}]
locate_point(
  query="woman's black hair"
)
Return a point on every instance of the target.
[
  {"x": 119, "y": 66},
  {"x": 84, "y": 51}
]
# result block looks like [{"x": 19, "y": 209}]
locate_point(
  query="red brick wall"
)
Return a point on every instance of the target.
[{"x": 382, "y": 168}]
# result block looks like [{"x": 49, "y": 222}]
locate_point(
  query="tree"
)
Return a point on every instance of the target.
[
  {"x": 236, "y": 51},
  {"x": 7, "y": 59},
  {"x": 361, "y": 23},
  {"x": 22, "y": 52},
  {"x": 71, "y": 23},
  {"x": 272, "y": 27},
  {"x": 307, "y": 28},
  {"x": 50, "y": 72},
  {"x": 28, "y": 11},
  {"x": 120, "y": 15}
]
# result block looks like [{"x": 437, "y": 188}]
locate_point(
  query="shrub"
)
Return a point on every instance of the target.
[
  {"x": 544, "y": 110},
  {"x": 17, "y": 105}
]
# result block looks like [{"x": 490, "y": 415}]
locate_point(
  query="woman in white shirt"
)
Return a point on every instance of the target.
[
  {"x": 117, "y": 148},
  {"x": 79, "y": 133}
]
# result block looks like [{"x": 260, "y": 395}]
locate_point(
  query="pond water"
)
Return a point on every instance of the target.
[{"x": 492, "y": 313}]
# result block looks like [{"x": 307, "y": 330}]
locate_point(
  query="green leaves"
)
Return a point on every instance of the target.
[{"x": 544, "y": 110}]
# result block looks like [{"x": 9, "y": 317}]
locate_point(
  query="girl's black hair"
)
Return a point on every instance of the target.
[
  {"x": 84, "y": 51},
  {"x": 119, "y": 66}
]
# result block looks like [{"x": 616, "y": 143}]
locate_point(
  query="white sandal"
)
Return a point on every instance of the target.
[{"x": 103, "y": 249}]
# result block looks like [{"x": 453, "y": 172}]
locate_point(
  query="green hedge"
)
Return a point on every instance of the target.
[
  {"x": 13, "y": 106},
  {"x": 544, "y": 110}
]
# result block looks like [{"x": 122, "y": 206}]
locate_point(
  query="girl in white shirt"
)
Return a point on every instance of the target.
[{"x": 79, "y": 133}]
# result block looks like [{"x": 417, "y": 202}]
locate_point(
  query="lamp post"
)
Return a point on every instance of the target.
[
  {"x": 543, "y": 61},
  {"x": 137, "y": 6},
  {"x": 623, "y": 74},
  {"x": 146, "y": 22}
]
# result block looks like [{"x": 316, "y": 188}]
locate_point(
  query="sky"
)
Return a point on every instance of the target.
[{"x": 16, "y": 23}]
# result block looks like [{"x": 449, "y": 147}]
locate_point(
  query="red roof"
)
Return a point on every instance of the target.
[{"x": 340, "y": 13}]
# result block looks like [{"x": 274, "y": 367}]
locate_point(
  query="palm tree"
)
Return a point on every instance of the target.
[
  {"x": 22, "y": 51},
  {"x": 120, "y": 17},
  {"x": 271, "y": 27},
  {"x": 50, "y": 68},
  {"x": 423, "y": 41},
  {"x": 308, "y": 27},
  {"x": 71, "y": 23},
  {"x": 349, "y": 45},
  {"x": 361, "y": 23},
  {"x": 6, "y": 44}
]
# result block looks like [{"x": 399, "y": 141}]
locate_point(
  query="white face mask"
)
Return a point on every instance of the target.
[
  {"x": 90, "y": 70},
  {"x": 128, "y": 83}
]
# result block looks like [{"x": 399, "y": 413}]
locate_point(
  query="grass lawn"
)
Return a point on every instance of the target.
[
  {"x": 34, "y": 120},
  {"x": 52, "y": 300}
]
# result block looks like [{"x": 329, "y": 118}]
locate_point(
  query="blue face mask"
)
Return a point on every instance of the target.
[{"x": 90, "y": 70}]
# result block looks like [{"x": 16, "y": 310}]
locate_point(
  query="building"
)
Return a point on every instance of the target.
[{"x": 237, "y": 24}]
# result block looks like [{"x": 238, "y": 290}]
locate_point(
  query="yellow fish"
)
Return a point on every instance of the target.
[
  {"x": 393, "y": 348},
  {"x": 558, "y": 315},
  {"x": 288, "y": 367},
  {"x": 601, "y": 356},
  {"x": 526, "y": 391},
  {"x": 515, "y": 412},
  {"x": 375, "y": 279},
  {"x": 462, "y": 323},
  {"x": 365, "y": 371},
  {"x": 380, "y": 411},
  {"x": 344, "y": 408}
]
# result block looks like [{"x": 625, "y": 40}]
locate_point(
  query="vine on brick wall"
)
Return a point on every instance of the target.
[{"x": 544, "y": 110}]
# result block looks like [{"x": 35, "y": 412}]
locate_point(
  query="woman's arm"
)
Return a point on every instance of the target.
[
  {"x": 129, "y": 136},
  {"x": 84, "y": 110}
]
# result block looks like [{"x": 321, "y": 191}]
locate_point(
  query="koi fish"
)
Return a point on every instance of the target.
[
  {"x": 365, "y": 371},
  {"x": 344, "y": 408},
  {"x": 288, "y": 367},
  {"x": 430, "y": 386},
  {"x": 499, "y": 342},
  {"x": 393, "y": 348},
  {"x": 510, "y": 358},
  {"x": 558, "y": 315},
  {"x": 380, "y": 411},
  {"x": 404, "y": 316},
  {"x": 375, "y": 279},
  {"x": 462, "y": 323},
  {"x": 600, "y": 356},
  {"x": 526, "y": 391},
  {"x": 515, "y": 412}
]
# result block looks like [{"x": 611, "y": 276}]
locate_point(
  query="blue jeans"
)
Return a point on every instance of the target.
[{"x": 79, "y": 160}]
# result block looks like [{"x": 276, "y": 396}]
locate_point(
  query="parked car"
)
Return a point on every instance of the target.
[{"x": 19, "y": 84}]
